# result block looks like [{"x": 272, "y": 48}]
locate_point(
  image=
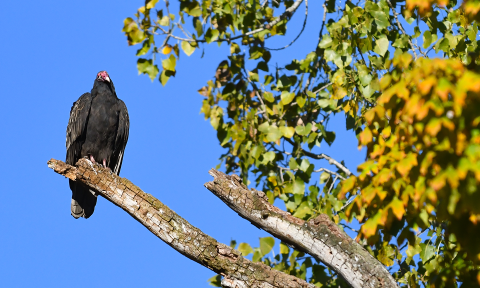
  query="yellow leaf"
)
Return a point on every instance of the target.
[
  {"x": 438, "y": 182},
  {"x": 370, "y": 227},
  {"x": 397, "y": 208},
  {"x": 426, "y": 85},
  {"x": 405, "y": 165},
  {"x": 287, "y": 131},
  {"x": 369, "y": 116},
  {"x": 347, "y": 186},
  {"x": 151, "y": 4},
  {"x": 187, "y": 48},
  {"x": 167, "y": 49},
  {"x": 366, "y": 136},
  {"x": 368, "y": 194},
  {"x": 433, "y": 126}
]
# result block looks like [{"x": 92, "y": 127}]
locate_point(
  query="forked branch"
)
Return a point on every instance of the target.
[
  {"x": 319, "y": 237},
  {"x": 176, "y": 231}
]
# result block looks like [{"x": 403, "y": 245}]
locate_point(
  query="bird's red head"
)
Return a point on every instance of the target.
[{"x": 103, "y": 76}]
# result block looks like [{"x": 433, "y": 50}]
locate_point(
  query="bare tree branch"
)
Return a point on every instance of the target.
[
  {"x": 288, "y": 13},
  {"x": 318, "y": 170},
  {"x": 319, "y": 237},
  {"x": 395, "y": 14},
  {"x": 323, "y": 87},
  {"x": 176, "y": 231},
  {"x": 301, "y": 31},
  {"x": 323, "y": 156}
]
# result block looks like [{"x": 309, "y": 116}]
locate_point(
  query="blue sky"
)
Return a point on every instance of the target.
[{"x": 50, "y": 54}]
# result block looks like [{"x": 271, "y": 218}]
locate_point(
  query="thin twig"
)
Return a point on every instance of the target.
[
  {"x": 263, "y": 105},
  {"x": 301, "y": 31},
  {"x": 321, "y": 88},
  {"x": 401, "y": 28},
  {"x": 323, "y": 23},
  {"x": 333, "y": 183},
  {"x": 348, "y": 202},
  {"x": 310, "y": 77},
  {"x": 346, "y": 226},
  {"x": 323, "y": 156},
  {"x": 331, "y": 172},
  {"x": 264, "y": 112},
  {"x": 288, "y": 13},
  {"x": 318, "y": 170}
]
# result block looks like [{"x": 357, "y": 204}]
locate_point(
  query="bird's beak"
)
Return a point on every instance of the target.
[{"x": 107, "y": 79}]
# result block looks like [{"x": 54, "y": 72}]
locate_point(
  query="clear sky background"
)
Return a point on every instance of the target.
[{"x": 50, "y": 54}]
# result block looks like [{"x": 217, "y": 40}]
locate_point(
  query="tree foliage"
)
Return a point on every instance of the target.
[{"x": 416, "y": 195}]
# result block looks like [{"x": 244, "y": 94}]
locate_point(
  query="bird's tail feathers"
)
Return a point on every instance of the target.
[{"x": 83, "y": 201}]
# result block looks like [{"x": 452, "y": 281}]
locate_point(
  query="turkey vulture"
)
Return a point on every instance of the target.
[{"x": 98, "y": 130}]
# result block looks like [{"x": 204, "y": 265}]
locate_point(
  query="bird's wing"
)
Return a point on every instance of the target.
[
  {"x": 76, "y": 127},
  {"x": 122, "y": 137}
]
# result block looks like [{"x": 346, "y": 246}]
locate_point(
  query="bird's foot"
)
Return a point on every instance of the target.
[{"x": 106, "y": 167}]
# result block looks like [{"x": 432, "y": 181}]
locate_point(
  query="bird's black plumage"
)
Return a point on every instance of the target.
[{"x": 97, "y": 129}]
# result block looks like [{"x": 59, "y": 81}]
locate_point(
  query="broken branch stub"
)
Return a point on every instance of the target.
[
  {"x": 319, "y": 237},
  {"x": 176, "y": 231}
]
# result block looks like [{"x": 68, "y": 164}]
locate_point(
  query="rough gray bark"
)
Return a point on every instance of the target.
[
  {"x": 190, "y": 241},
  {"x": 319, "y": 237}
]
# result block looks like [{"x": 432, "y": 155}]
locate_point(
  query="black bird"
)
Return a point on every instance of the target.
[{"x": 98, "y": 130}]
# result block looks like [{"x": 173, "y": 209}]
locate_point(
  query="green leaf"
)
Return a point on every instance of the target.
[
  {"x": 145, "y": 66},
  {"x": 187, "y": 48},
  {"x": 256, "y": 52},
  {"x": 191, "y": 8},
  {"x": 381, "y": 19},
  {"x": 323, "y": 103},
  {"x": 164, "y": 76},
  {"x": 304, "y": 165},
  {"x": 165, "y": 21},
  {"x": 284, "y": 249},
  {"x": 303, "y": 210},
  {"x": 268, "y": 157},
  {"x": 198, "y": 26},
  {"x": 287, "y": 97},
  {"x": 442, "y": 45},
  {"x": 298, "y": 186},
  {"x": 266, "y": 245},
  {"x": 234, "y": 48},
  {"x": 263, "y": 127},
  {"x": 386, "y": 255},
  {"x": 151, "y": 4},
  {"x": 245, "y": 249},
  {"x": 427, "y": 39},
  {"x": 215, "y": 281},
  {"x": 269, "y": 97},
  {"x": 287, "y": 131},
  {"x": 324, "y": 177},
  {"x": 274, "y": 134},
  {"x": 293, "y": 164},
  {"x": 428, "y": 251},
  {"x": 211, "y": 35},
  {"x": 145, "y": 48},
  {"x": 381, "y": 46},
  {"x": 301, "y": 101},
  {"x": 326, "y": 42},
  {"x": 257, "y": 256},
  {"x": 134, "y": 34},
  {"x": 169, "y": 63}
]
